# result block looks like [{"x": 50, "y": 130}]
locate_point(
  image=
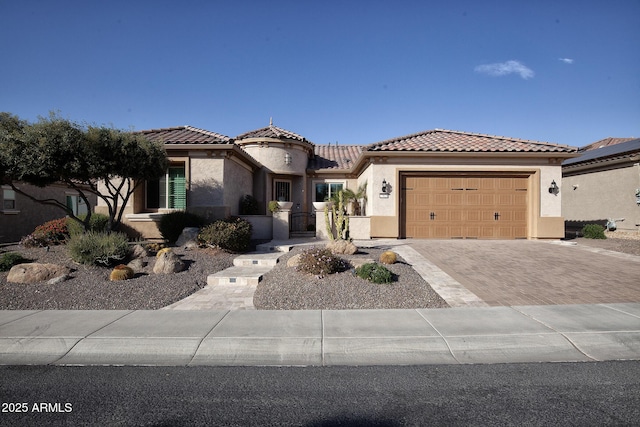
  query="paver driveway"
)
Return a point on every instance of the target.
[{"x": 523, "y": 272}]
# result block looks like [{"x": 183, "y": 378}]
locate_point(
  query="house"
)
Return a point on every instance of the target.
[
  {"x": 433, "y": 184},
  {"x": 602, "y": 184},
  {"x": 19, "y": 215}
]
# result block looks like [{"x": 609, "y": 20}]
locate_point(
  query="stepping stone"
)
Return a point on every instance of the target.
[
  {"x": 238, "y": 276},
  {"x": 266, "y": 259}
]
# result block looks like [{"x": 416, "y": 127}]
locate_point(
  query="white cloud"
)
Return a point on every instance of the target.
[
  {"x": 504, "y": 68},
  {"x": 566, "y": 60}
]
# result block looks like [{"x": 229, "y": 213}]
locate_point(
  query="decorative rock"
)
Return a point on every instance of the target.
[
  {"x": 35, "y": 272},
  {"x": 139, "y": 252},
  {"x": 188, "y": 238},
  {"x": 57, "y": 280},
  {"x": 342, "y": 247},
  {"x": 137, "y": 265},
  {"x": 168, "y": 263},
  {"x": 294, "y": 261}
]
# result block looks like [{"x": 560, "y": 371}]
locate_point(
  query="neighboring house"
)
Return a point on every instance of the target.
[
  {"x": 603, "y": 183},
  {"x": 19, "y": 215},
  {"x": 433, "y": 184}
]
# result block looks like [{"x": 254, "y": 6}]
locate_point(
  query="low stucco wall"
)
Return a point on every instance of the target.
[{"x": 261, "y": 225}]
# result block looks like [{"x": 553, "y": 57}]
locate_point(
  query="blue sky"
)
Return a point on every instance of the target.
[{"x": 353, "y": 72}]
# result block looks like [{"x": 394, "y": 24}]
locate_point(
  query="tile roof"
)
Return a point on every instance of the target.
[
  {"x": 334, "y": 156},
  {"x": 272, "y": 131},
  {"x": 439, "y": 140},
  {"x": 185, "y": 135},
  {"x": 604, "y": 143}
]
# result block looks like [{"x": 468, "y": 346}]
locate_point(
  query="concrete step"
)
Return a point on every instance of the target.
[
  {"x": 238, "y": 276},
  {"x": 266, "y": 259},
  {"x": 271, "y": 247}
]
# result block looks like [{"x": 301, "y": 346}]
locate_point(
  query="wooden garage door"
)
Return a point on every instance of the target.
[{"x": 475, "y": 207}]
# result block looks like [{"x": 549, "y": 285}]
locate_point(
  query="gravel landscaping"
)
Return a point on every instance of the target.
[
  {"x": 89, "y": 287},
  {"x": 284, "y": 288}
]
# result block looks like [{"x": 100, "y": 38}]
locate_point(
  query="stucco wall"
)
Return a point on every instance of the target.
[
  {"x": 28, "y": 214},
  {"x": 272, "y": 156},
  {"x": 238, "y": 181},
  {"x": 205, "y": 188},
  {"x": 603, "y": 195}
]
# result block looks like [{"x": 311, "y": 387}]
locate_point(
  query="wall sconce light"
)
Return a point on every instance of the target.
[
  {"x": 287, "y": 158},
  {"x": 385, "y": 186},
  {"x": 553, "y": 188}
]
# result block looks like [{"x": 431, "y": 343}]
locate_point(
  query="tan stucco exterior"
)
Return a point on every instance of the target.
[
  {"x": 602, "y": 193},
  {"x": 544, "y": 209}
]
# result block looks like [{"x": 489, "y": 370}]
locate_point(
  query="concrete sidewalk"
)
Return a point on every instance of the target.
[{"x": 322, "y": 338}]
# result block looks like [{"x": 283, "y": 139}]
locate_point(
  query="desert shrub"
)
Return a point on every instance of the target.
[
  {"x": 54, "y": 232},
  {"x": 172, "y": 224},
  {"x": 320, "y": 262},
  {"x": 9, "y": 259},
  {"x": 593, "y": 231},
  {"x": 155, "y": 247},
  {"x": 388, "y": 257},
  {"x": 121, "y": 272},
  {"x": 375, "y": 273},
  {"x": 104, "y": 249},
  {"x": 97, "y": 222},
  {"x": 232, "y": 234},
  {"x": 249, "y": 205}
]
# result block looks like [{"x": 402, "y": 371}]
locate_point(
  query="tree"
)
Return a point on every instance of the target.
[
  {"x": 107, "y": 162},
  {"x": 357, "y": 198}
]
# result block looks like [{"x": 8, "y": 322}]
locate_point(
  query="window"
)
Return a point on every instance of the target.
[
  {"x": 8, "y": 199},
  {"x": 282, "y": 191},
  {"x": 76, "y": 204},
  {"x": 168, "y": 192},
  {"x": 326, "y": 190}
]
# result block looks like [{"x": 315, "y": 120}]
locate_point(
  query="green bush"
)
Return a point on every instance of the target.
[
  {"x": 593, "y": 231},
  {"x": 9, "y": 259},
  {"x": 232, "y": 234},
  {"x": 172, "y": 224},
  {"x": 375, "y": 273},
  {"x": 249, "y": 205},
  {"x": 97, "y": 222},
  {"x": 320, "y": 261},
  {"x": 106, "y": 249}
]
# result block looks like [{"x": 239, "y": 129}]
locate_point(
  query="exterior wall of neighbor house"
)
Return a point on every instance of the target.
[
  {"x": 545, "y": 220},
  {"x": 27, "y": 215},
  {"x": 604, "y": 194}
]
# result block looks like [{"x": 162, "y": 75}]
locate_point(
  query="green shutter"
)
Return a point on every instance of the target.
[{"x": 177, "y": 188}]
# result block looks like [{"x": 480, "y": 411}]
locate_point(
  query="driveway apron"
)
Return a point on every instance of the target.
[{"x": 523, "y": 272}]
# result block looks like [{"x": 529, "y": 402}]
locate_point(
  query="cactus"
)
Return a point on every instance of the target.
[
  {"x": 162, "y": 251},
  {"x": 121, "y": 272},
  {"x": 388, "y": 257},
  {"x": 340, "y": 221}
]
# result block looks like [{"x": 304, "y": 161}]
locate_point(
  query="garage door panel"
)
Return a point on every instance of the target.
[{"x": 466, "y": 207}]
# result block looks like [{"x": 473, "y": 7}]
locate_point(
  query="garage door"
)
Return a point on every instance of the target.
[{"x": 459, "y": 207}]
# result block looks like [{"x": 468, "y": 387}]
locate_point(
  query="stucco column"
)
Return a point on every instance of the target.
[
  {"x": 321, "y": 225},
  {"x": 281, "y": 224}
]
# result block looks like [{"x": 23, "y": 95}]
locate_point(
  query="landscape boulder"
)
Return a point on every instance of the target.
[
  {"x": 294, "y": 261},
  {"x": 168, "y": 263},
  {"x": 188, "y": 238},
  {"x": 139, "y": 251},
  {"x": 342, "y": 247},
  {"x": 35, "y": 272}
]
